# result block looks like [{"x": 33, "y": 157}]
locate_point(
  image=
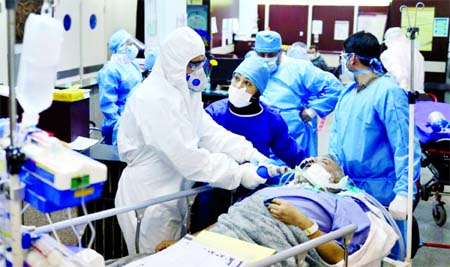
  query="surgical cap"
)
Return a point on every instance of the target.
[
  {"x": 297, "y": 52},
  {"x": 267, "y": 42},
  {"x": 254, "y": 69},
  {"x": 150, "y": 58},
  {"x": 119, "y": 38},
  {"x": 393, "y": 35}
]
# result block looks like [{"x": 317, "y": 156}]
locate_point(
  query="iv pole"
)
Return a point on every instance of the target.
[
  {"x": 14, "y": 156},
  {"x": 412, "y": 31}
]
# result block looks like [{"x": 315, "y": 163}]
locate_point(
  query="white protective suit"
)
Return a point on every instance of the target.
[
  {"x": 169, "y": 142},
  {"x": 396, "y": 60}
]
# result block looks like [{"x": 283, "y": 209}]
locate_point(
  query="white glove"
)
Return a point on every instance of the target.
[
  {"x": 248, "y": 176},
  {"x": 275, "y": 170},
  {"x": 257, "y": 158},
  {"x": 399, "y": 207},
  {"x": 308, "y": 114}
]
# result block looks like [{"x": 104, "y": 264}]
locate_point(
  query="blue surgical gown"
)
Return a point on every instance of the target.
[
  {"x": 369, "y": 137},
  {"x": 115, "y": 82},
  {"x": 299, "y": 84},
  {"x": 266, "y": 130}
]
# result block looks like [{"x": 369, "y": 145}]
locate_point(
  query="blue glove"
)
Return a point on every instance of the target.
[{"x": 275, "y": 175}]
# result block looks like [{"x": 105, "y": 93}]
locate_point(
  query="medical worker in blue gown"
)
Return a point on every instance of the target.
[
  {"x": 242, "y": 113},
  {"x": 116, "y": 79},
  {"x": 298, "y": 89},
  {"x": 369, "y": 135}
]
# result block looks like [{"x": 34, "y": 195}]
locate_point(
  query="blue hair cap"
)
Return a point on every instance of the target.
[
  {"x": 118, "y": 38},
  {"x": 268, "y": 42},
  {"x": 254, "y": 69}
]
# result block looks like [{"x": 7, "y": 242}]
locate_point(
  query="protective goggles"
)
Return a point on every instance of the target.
[
  {"x": 136, "y": 42},
  {"x": 195, "y": 65}
]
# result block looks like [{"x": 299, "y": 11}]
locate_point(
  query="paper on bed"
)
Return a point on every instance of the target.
[
  {"x": 249, "y": 252},
  {"x": 188, "y": 254}
]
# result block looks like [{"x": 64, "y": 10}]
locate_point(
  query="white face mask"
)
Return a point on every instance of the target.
[
  {"x": 271, "y": 63},
  {"x": 132, "y": 52},
  {"x": 317, "y": 175},
  {"x": 197, "y": 81},
  {"x": 238, "y": 97}
]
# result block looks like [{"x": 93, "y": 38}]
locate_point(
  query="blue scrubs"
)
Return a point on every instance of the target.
[
  {"x": 331, "y": 212},
  {"x": 115, "y": 82},
  {"x": 298, "y": 84},
  {"x": 369, "y": 137},
  {"x": 266, "y": 130}
]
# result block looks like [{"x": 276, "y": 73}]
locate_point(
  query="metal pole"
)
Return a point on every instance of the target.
[
  {"x": 412, "y": 30},
  {"x": 304, "y": 247},
  {"x": 14, "y": 190},
  {"x": 115, "y": 211}
]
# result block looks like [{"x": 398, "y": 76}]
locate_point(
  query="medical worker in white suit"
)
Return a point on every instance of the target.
[{"x": 169, "y": 143}]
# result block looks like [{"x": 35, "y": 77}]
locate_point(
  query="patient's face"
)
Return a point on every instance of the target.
[{"x": 328, "y": 164}]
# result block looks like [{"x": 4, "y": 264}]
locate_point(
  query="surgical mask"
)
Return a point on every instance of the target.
[
  {"x": 197, "y": 81},
  {"x": 132, "y": 52},
  {"x": 271, "y": 63},
  {"x": 317, "y": 175},
  {"x": 239, "y": 97}
]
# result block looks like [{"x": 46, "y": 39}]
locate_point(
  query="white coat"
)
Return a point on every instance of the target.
[{"x": 169, "y": 142}]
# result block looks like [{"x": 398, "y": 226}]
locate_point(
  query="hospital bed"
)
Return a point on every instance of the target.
[{"x": 301, "y": 249}]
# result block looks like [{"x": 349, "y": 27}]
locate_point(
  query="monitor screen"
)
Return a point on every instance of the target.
[{"x": 223, "y": 72}]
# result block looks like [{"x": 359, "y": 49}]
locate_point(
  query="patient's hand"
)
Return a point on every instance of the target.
[
  {"x": 288, "y": 214},
  {"x": 164, "y": 244}
]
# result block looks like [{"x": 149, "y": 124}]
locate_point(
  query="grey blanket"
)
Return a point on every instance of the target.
[{"x": 250, "y": 220}]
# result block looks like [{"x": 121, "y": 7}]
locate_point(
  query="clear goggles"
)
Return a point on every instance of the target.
[{"x": 195, "y": 65}]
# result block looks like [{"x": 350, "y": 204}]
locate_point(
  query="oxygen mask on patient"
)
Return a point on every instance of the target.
[{"x": 316, "y": 175}]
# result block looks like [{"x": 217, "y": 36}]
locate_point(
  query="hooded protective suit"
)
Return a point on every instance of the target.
[
  {"x": 169, "y": 142},
  {"x": 396, "y": 60},
  {"x": 115, "y": 80}
]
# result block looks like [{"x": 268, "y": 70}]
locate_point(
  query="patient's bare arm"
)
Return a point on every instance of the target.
[{"x": 281, "y": 210}]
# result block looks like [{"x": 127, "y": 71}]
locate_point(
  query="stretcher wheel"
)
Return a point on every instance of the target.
[{"x": 439, "y": 214}]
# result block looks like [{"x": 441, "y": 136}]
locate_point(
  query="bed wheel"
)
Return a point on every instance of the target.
[
  {"x": 424, "y": 195},
  {"x": 439, "y": 214}
]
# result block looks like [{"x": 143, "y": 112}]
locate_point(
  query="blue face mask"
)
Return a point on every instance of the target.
[
  {"x": 272, "y": 64},
  {"x": 132, "y": 52}
]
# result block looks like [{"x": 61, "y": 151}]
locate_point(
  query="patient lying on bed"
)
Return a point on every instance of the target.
[{"x": 282, "y": 217}]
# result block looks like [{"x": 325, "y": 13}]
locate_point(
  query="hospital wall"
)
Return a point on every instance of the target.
[{"x": 291, "y": 21}]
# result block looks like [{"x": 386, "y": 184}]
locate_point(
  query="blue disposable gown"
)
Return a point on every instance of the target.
[
  {"x": 115, "y": 82},
  {"x": 369, "y": 137},
  {"x": 265, "y": 130},
  {"x": 299, "y": 84}
]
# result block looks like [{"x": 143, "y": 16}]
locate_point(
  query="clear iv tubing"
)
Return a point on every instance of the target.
[
  {"x": 91, "y": 226},
  {"x": 77, "y": 234},
  {"x": 53, "y": 229}
]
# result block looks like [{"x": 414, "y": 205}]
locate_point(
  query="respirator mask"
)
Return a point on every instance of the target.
[{"x": 197, "y": 81}]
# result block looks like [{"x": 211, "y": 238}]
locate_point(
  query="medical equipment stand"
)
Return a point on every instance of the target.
[
  {"x": 412, "y": 95},
  {"x": 14, "y": 156}
]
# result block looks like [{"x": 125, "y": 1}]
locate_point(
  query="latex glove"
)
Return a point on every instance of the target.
[
  {"x": 257, "y": 158},
  {"x": 399, "y": 207},
  {"x": 248, "y": 176},
  {"x": 307, "y": 114},
  {"x": 275, "y": 170}
]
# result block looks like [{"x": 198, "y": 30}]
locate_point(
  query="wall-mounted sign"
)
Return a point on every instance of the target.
[{"x": 440, "y": 28}]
